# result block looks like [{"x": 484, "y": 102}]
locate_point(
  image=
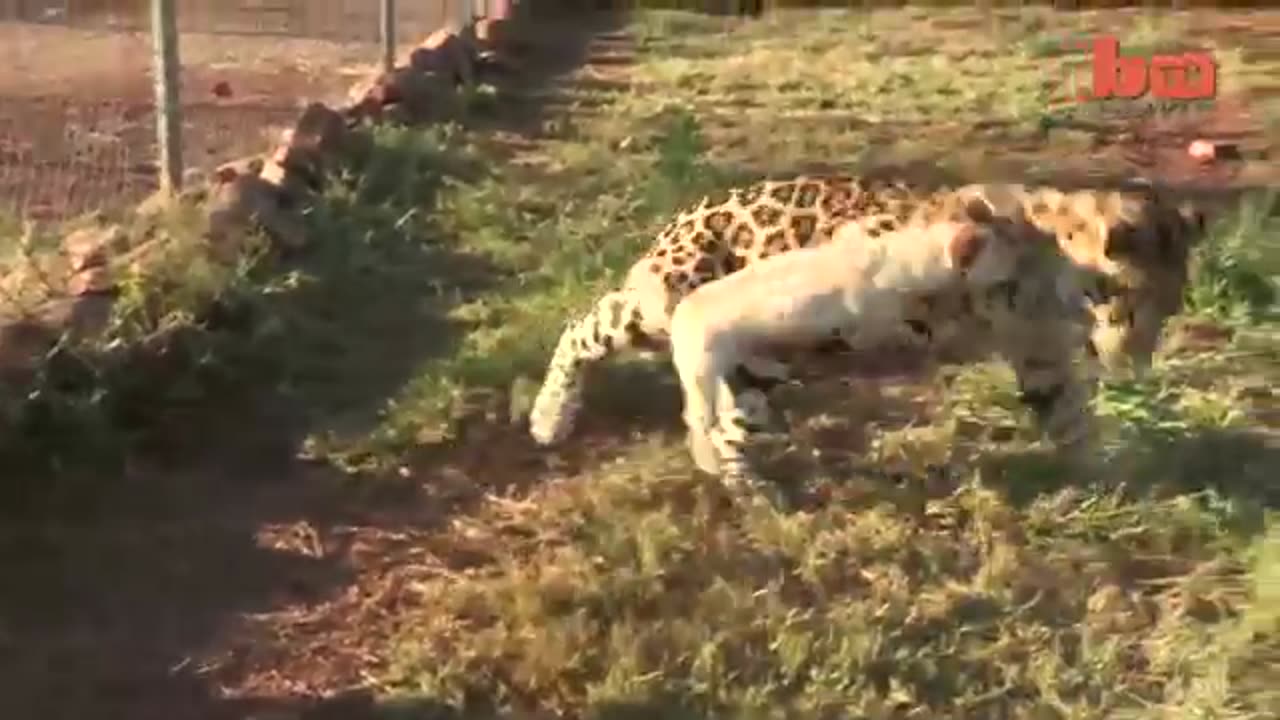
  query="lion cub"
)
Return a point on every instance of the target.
[{"x": 858, "y": 288}]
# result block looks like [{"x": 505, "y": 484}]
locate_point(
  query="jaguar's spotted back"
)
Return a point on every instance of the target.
[
  {"x": 725, "y": 233},
  {"x": 1136, "y": 243}
]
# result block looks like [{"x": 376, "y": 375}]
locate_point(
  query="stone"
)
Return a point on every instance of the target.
[
  {"x": 320, "y": 129},
  {"x": 139, "y": 257},
  {"x": 448, "y": 53},
  {"x": 159, "y": 202},
  {"x": 90, "y": 315},
  {"x": 91, "y": 247},
  {"x": 94, "y": 280},
  {"x": 314, "y": 143},
  {"x": 492, "y": 34},
  {"x": 25, "y": 339},
  {"x": 240, "y": 205},
  {"x": 428, "y": 97},
  {"x": 288, "y": 183},
  {"x": 368, "y": 97},
  {"x": 23, "y": 344},
  {"x": 228, "y": 171}
]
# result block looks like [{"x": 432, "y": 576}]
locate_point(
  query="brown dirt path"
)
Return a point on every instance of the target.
[
  {"x": 239, "y": 582},
  {"x": 234, "y": 580}
]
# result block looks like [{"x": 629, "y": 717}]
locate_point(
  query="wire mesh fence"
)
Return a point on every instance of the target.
[{"x": 77, "y": 100}]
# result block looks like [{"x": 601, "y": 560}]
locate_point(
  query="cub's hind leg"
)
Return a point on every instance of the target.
[
  {"x": 740, "y": 426},
  {"x": 727, "y": 445}
]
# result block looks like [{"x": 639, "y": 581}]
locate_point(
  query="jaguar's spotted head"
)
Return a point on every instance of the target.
[{"x": 1138, "y": 243}]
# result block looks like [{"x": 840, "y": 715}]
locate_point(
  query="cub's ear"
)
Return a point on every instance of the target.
[
  {"x": 984, "y": 202},
  {"x": 979, "y": 210},
  {"x": 964, "y": 244}
]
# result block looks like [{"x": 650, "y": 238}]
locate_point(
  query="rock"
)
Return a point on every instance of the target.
[
  {"x": 492, "y": 34},
  {"x": 135, "y": 261},
  {"x": 427, "y": 97},
  {"x": 239, "y": 206},
  {"x": 448, "y": 53},
  {"x": 26, "y": 339},
  {"x": 229, "y": 171},
  {"x": 288, "y": 183},
  {"x": 368, "y": 97},
  {"x": 419, "y": 96},
  {"x": 90, "y": 315},
  {"x": 491, "y": 66},
  {"x": 91, "y": 247},
  {"x": 159, "y": 202},
  {"x": 23, "y": 344},
  {"x": 78, "y": 316},
  {"x": 94, "y": 280},
  {"x": 379, "y": 89},
  {"x": 221, "y": 89},
  {"x": 308, "y": 149},
  {"x": 320, "y": 130}
]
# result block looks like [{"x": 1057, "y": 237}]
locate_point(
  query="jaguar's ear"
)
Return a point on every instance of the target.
[{"x": 964, "y": 245}]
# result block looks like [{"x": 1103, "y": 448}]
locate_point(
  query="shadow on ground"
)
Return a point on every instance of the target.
[
  {"x": 124, "y": 596},
  {"x": 360, "y": 706},
  {"x": 530, "y": 87}
]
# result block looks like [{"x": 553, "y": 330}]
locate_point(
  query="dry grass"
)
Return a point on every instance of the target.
[
  {"x": 943, "y": 565},
  {"x": 947, "y": 566}
]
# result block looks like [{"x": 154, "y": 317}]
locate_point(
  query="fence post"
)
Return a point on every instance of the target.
[
  {"x": 388, "y": 30},
  {"x": 164, "y": 33},
  {"x": 463, "y": 11}
]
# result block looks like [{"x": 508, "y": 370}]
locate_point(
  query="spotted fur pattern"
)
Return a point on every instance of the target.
[{"x": 1137, "y": 242}]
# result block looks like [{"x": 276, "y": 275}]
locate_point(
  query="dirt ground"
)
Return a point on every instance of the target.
[
  {"x": 239, "y": 581},
  {"x": 77, "y": 126},
  {"x": 149, "y": 602}
]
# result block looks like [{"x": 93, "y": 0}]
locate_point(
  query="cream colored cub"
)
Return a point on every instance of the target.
[{"x": 858, "y": 287}]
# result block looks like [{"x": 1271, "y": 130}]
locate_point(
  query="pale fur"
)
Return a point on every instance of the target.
[{"x": 856, "y": 286}]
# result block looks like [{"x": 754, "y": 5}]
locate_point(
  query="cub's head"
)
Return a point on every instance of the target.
[
  {"x": 1138, "y": 244},
  {"x": 991, "y": 244},
  {"x": 980, "y": 254}
]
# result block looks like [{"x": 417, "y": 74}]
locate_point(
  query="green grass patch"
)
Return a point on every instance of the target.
[
  {"x": 193, "y": 337},
  {"x": 957, "y": 569},
  {"x": 1002, "y": 587}
]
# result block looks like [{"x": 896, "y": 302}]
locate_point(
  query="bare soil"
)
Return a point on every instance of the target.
[
  {"x": 239, "y": 581},
  {"x": 77, "y": 126}
]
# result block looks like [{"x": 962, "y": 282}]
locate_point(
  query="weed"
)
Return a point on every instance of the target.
[{"x": 1238, "y": 266}]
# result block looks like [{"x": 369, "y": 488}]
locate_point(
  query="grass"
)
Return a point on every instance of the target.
[
  {"x": 949, "y": 567},
  {"x": 998, "y": 590},
  {"x": 191, "y": 332}
]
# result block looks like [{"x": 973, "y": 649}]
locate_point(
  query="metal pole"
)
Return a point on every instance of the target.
[
  {"x": 388, "y": 35},
  {"x": 164, "y": 33},
  {"x": 462, "y": 10}
]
